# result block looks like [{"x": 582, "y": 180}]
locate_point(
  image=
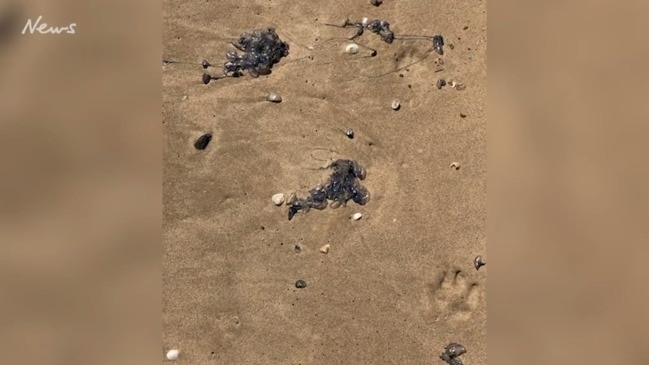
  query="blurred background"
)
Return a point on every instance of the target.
[{"x": 80, "y": 192}]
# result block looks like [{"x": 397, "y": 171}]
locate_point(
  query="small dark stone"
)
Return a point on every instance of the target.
[
  {"x": 202, "y": 141},
  {"x": 478, "y": 263},
  {"x": 451, "y": 353},
  {"x": 350, "y": 133},
  {"x": 373, "y": 53},
  {"x": 441, "y": 83},
  {"x": 376, "y": 2},
  {"x": 465, "y": 27},
  {"x": 300, "y": 284},
  {"x": 206, "y": 64},
  {"x": 297, "y": 249},
  {"x": 462, "y": 115},
  {"x": 206, "y": 78},
  {"x": 438, "y": 44}
]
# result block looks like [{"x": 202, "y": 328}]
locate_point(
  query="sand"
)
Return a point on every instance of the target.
[{"x": 396, "y": 286}]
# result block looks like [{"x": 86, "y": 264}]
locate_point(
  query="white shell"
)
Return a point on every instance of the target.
[
  {"x": 357, "y": 216},
  {"x": 365, "y": 21},
  {"x": 278, "y": 199},
  {"x": 352, "y": 48},
  {"x": 325, "y": 248},
  {"x": 173, "y": 355},
  {"x": 396, "y": 105},
  {"x": 275, "y": 98}
]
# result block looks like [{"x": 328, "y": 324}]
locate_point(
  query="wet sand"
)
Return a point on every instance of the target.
[{"x": 397, "y": 285}]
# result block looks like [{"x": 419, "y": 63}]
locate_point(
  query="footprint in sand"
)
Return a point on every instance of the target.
[{"x": 454, "y": 297}]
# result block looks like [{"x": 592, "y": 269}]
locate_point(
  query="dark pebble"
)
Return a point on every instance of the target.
[
  {"x": 207, "y": 78},
  {"x": 202, "y": 141},
  {"x": 373, "y": 53},
  {"x": 297, "y": 249},
  {"x": 206, "y": 64},
  {"x": 438, "y": 44},
  {"x": 478, "y": 263},
  {"x": 300, "y": 284},
  {"x": 350, "y": 133},
  {"x": 451, "y": 352},
  {"x": 462, "y": 115},
  {"x": 376, "y": 2},
  {"x": 441, "y": 83}
]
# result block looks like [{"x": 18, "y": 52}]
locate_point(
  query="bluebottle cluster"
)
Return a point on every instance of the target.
[
  {"x": 261, "y": 49},
  {"x": 343, "y": 185}
]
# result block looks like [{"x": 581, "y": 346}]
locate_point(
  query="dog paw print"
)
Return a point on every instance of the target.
[{"x": 454, "y": 296}]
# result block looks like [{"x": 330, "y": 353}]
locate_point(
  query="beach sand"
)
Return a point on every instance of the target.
[{"x": 397, "y": 285}]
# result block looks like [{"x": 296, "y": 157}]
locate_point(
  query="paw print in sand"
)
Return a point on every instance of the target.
[{"x": 454, "y": 296}]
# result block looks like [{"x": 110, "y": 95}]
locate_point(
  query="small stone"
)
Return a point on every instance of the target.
[
  {"x": 205, "y": 64},
  {"x": 350, "y": 133},
  {"x": 462, "y": 115},
  {"x": 173, "y": 355},
  {"x": 459, "y": 86},
  {"x": 297, "y": 248},
  {"x": 206, "y": 78},
  {"x": 376, "y": 2},
  {"x": 278, "y": 199},
  {"x": 478, "y": 263},
  {"x": 455, "y": 165},
  {"x": 441, "y": 83},
  {"x": 325, "y": 249},
  {"x": 352, "y": 48},
  {"x": 438, "y": 44},
  {"x": 275, "y": 98},
  {"x": 357, "y": 216},
  {"x": 395, "y": 105},
  {"x": 451, "y": 353},
  {"x": 202, "y": 141},
  {"x": 185, "y": 97},
  {"x": 300, "y": 284}
]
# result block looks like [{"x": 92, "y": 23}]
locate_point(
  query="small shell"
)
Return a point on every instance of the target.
[
  {"x": 325, "y": 249},
  {"x": 455, "y": 165},
  {"x": 278, "y": 199},
  {"x": 365, "y": 21},
  {"x": 292, "y": 197},
  {"x": 275, "y": 98},
  {"x": 352, "y": 48},
  {"x": 357, "y": 216},
  {"x": 173, "y": 355},
  {"x": 395, "y": 105}
]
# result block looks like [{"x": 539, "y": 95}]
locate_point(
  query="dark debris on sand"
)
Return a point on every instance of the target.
[
  {"x": 261, "y": 49},
  {"x": 452, "y": 352},
  {"x": 342, "y": 185}
]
